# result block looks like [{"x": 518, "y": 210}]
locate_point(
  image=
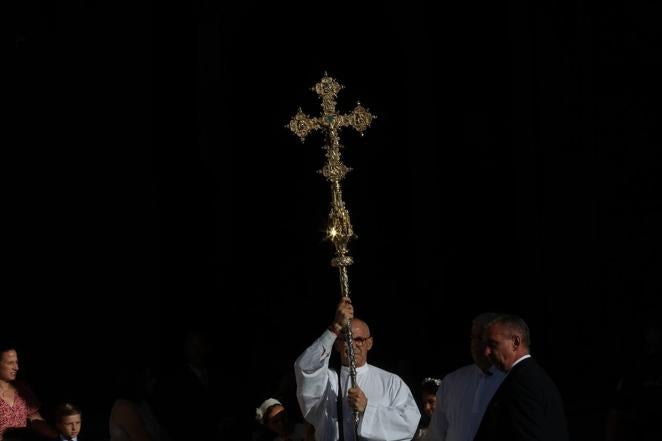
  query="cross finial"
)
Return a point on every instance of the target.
[
  {"x": 339, "y": 229},
  {"x": 328, "y": 89}
]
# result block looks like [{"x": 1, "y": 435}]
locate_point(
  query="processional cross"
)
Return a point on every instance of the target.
[{"x": 339, "y": 230}]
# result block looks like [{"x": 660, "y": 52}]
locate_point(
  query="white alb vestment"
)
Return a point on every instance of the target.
[
  {"x": 390, "y": 415},
  {"x": 462, "y": 399}
]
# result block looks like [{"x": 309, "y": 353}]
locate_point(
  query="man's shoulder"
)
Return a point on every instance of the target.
[
  {"x": 531, "y": 375},
  {"x": 383, "y": 373},
  {"x": 528, "y": 370},
  {"x": 377, "y": 370}
]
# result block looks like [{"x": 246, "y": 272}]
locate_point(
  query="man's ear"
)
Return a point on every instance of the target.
[
  {"x": 517, "y": 341},
  {"x": 368, "y": 344}
]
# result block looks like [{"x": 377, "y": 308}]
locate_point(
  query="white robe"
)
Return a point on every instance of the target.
[
  {"x": 462, "y": 399},
  {"x": 390, "y": 415}
]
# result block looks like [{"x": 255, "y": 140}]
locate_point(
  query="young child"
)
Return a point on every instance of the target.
[
  {"x": 273, "y": 415},
  {"x": 67, "y": 421},
  {"x": 428, "y": 398}
]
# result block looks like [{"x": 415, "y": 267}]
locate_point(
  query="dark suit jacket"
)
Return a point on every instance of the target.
[{"x": 527, "y": 406}]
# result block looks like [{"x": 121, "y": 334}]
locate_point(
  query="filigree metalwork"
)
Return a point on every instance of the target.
[{"x": 339, "y": 229}]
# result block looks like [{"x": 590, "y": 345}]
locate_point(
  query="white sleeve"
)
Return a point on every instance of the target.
[
  {"x": 439, "y": 421},
  {"x": 397, "y": 421},
  {"x": 311, "y": 370}
]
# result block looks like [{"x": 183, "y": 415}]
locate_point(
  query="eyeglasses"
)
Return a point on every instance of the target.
[{"x": 358, "y": 340}]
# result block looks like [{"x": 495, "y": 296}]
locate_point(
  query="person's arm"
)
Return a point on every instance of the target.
[
  {"x": 35, "y": 421},
  {"x": 396, "y": 421},
  {"x": 311, "y": 370},
  {"x": 41, "y": 427}
]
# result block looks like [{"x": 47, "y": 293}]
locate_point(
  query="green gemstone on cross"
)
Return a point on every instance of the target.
[{"x": 329, "y": 118}]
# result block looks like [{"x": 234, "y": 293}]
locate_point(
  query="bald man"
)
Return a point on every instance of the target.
[{"x": 387, "y": 410}]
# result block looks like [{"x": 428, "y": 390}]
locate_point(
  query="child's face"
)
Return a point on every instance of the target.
[
  {"x": 69, "y": 426},
  {"x": 429, "y": 402}
]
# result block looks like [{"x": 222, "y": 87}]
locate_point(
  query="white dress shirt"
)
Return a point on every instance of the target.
[{"x": 523, "y": 357}]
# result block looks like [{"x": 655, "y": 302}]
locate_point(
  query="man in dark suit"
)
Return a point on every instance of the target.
[{"x": 527, "y": 405}]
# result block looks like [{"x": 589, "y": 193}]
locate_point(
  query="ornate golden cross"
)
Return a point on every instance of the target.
[{"x": 339, "y": 229}]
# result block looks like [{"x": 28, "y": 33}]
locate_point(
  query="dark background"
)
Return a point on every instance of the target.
[{"x": 153, "y": 186}]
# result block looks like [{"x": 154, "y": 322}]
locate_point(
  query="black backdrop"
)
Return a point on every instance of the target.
[{"x": 513, "y": 166}]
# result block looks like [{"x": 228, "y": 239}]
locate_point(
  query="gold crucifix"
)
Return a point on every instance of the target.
[{"x": 339, "y": 229}]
